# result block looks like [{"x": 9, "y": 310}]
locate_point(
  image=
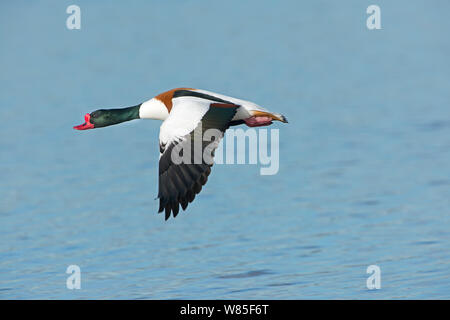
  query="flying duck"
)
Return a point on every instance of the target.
[{"x": 185, "y": 112}]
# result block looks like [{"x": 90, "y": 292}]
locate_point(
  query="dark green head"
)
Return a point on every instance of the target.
[{"x": 107, "y": 117}]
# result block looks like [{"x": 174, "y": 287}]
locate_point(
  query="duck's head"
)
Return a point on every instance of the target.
[
  {"x": 107, "y": 117},
  {"x": 96, "y": 119}
]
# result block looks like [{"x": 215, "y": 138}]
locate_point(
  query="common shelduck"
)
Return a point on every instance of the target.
[{"x": 183, "y": 111}]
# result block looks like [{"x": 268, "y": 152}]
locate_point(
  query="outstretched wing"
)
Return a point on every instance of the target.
[{"x": 186, "y": 159}]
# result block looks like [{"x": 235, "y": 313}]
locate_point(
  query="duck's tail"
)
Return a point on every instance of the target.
[{"x": 274, "y": 116}]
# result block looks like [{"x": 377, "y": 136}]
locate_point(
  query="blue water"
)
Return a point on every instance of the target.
[{"x": 364, "y": 173}]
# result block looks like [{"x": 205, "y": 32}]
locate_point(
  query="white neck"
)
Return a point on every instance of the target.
[{"x": 153, "y": 109}]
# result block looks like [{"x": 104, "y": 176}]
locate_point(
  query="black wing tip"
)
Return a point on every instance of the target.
[{"x": 172, "y": 208}]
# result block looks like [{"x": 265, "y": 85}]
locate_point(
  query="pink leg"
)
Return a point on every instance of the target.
[{"x": 256, "y": 121}]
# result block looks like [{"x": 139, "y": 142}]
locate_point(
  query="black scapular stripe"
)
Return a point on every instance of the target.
[{"x": 187, "y": 93}]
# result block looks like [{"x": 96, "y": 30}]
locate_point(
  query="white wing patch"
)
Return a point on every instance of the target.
[{"x": 185, "y": 115}]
